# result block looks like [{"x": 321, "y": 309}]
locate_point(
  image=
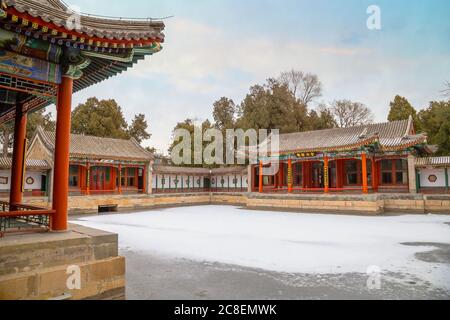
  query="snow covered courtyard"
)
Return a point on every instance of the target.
[{"x": 287, "y": 242}]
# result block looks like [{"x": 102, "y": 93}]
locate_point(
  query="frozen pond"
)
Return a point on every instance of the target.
[{"x": 289, "y": 243}]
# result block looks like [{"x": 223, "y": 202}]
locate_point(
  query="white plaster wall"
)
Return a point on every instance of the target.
[
  {"x": 426, "y": 173},
  {"x": 37, "y": 177},
  {"x": 5, "y": 174},
  {"x": 215, "y": 181},
  {"x": 155, "y": 176},
  {"x": 244, "y": 181}
]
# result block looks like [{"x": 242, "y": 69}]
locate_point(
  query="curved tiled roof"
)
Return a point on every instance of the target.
[
  {"x": 90, "y": 147},
  {"x": 390, "y": 136},
  {"x": 198, "y": 171},
  {"x": 6, "y": 163},
  {"x": 433, "y": 161},
  {"x": 104, "y": 47},
  {"x": 56, "y": 12}
]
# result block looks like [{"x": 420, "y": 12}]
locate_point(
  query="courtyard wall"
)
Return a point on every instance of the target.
[{"x": 333, "y": 203}]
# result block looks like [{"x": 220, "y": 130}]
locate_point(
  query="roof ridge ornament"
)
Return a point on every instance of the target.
[
  {"x": 363, "y": 134},
  {"x": 409, "y": 127}
]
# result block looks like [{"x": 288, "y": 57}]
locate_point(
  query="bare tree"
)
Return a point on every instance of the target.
[
  {"x": 446, "y": 91},
  {"x": 351, "y": 114},
  {"x": 305, "y": 86}
]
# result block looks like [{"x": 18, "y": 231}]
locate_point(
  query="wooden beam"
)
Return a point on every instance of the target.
[{"x": 446, "y": 180}]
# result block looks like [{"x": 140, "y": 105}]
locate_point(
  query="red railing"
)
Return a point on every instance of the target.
[{"x": 23, "y": 218}]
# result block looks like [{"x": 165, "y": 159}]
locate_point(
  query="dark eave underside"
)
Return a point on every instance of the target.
[{"x": 98, "y": 70}]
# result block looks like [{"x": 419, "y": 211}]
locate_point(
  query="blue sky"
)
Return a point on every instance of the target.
[{"x": 220, "y": 48}]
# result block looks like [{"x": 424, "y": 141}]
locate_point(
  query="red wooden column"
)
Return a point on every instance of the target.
[
  {"x": 18, "y": 161},
  {"x": 326, "y": 174},
  {"x": 88, "y": 179},
  {"x": 305, "y": 175},
  {"x": 261, "y": 177},
  {"x": 62, "y": 145},
  {"x": 374, "y": 175},
  {"x": 364, "y": 173},
  {"x": 338, "y": 174},
  {"x": 290, "y": 177},
  {"x": 120, "y": 178}
]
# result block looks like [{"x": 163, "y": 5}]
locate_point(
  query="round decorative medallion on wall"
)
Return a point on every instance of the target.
[
  {"x": 30, "y": 180},
  {"x": 432, "y": 178}
]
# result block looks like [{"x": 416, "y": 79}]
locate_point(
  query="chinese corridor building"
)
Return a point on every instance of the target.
[{"x": 366, "y": 159}]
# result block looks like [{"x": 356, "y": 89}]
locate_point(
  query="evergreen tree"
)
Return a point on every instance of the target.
[
  {"x": 39, "y": 119},
  {"x": 436, "y": 124},
  {"x": 224, "y": 113},
  {"x": 138, "y": 128},
  {"x": 273, "y": 106},
  {"x": 102, "y": 118},
  {"x": 401, "y": 109}
]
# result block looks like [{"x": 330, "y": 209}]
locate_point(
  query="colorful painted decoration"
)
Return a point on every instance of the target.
[
  {"x": 30, "y": 181},
  {"x": 28, "y": 67},
  {"x": 36, "y": 48},
  {"x": 4, "y": 180},
  {"x": 432, "y": 178},
  {"x": 306, "y": 155}
]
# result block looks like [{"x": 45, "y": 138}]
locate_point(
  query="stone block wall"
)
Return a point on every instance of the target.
[
  {"x": 340, "y": 203},
  {"x": 34, "y": 266}
]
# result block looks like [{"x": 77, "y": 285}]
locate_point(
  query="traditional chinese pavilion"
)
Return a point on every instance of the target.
[
  {"x": 371, "y": 158},
  {"x": 98, "y": 165},
  {"x": 48, "y": 52}
]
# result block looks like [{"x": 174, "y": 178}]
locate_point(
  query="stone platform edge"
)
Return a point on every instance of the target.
[{"x": 372, "y": 203}]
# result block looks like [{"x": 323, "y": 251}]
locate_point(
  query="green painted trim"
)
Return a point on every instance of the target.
[
  {"x": 47, "y": 183},
  {"x": 418, "y": 186},
  {"x": 446, "y": 180}
]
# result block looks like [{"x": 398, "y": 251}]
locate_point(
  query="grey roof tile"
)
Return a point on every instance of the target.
[{"x": 82, "y": 146}]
